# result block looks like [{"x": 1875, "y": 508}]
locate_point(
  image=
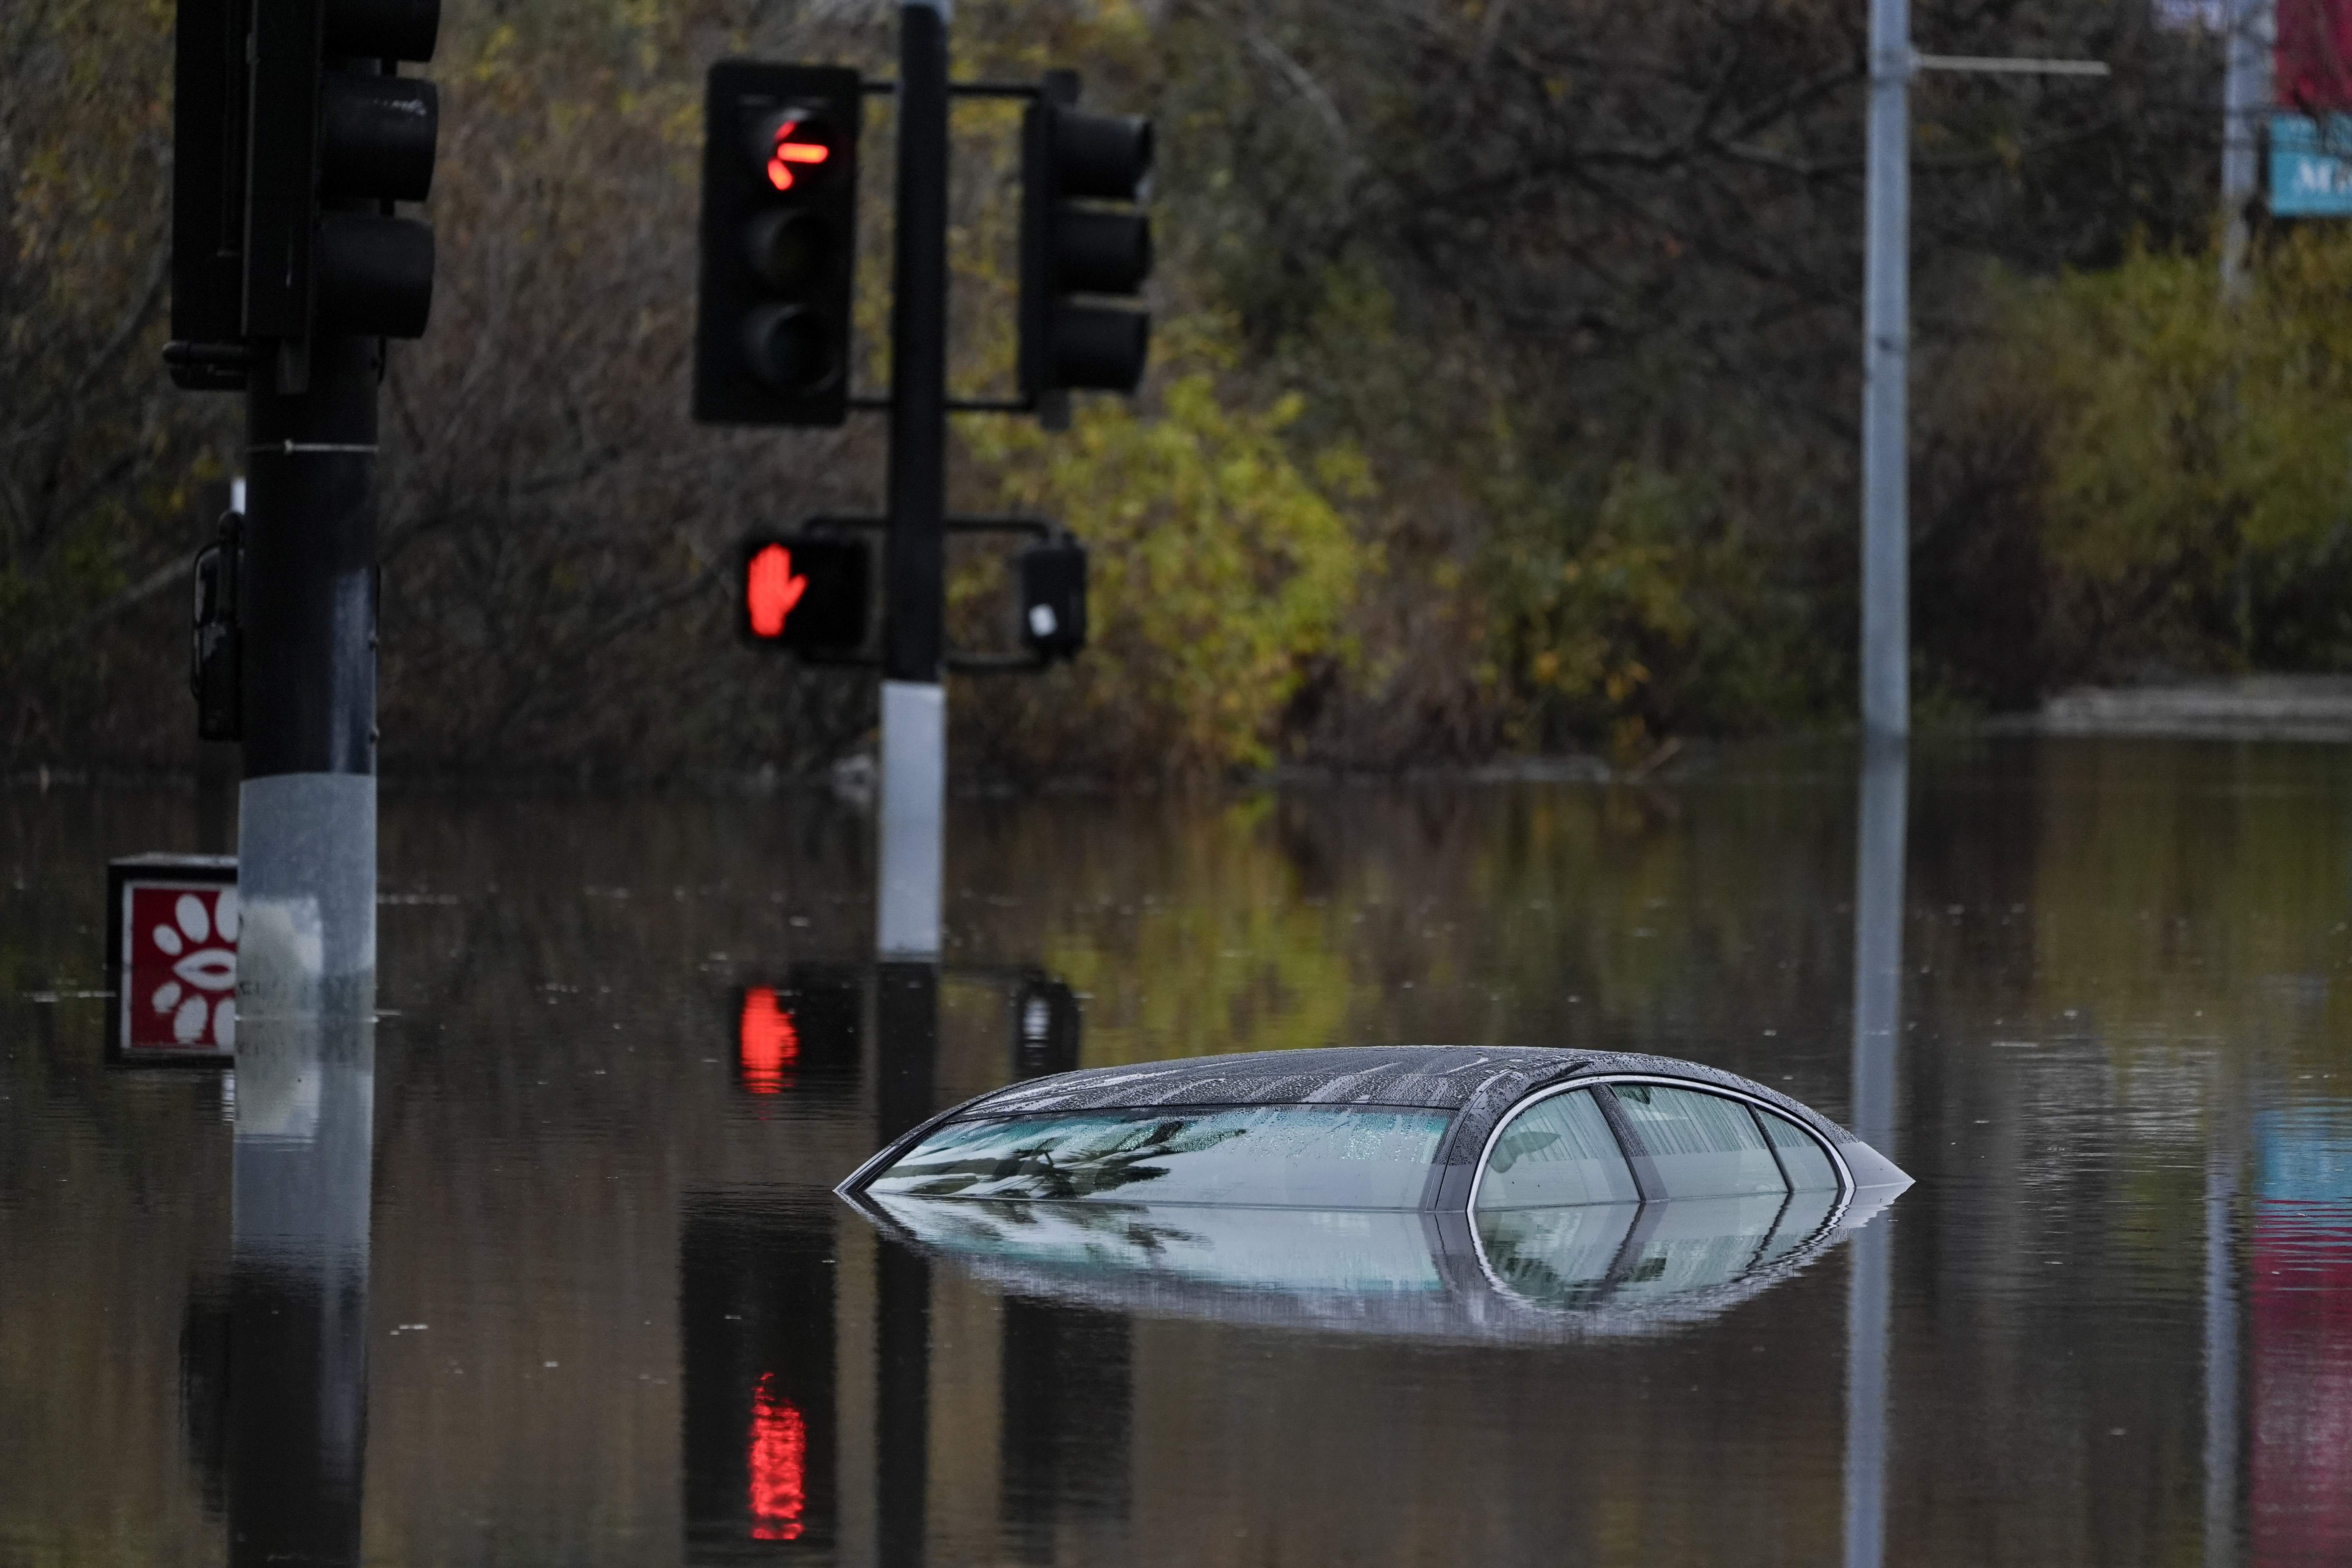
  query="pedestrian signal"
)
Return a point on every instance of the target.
[
  {"x": 1051, "y": 579},
  {"x": 808, "y": 595}
]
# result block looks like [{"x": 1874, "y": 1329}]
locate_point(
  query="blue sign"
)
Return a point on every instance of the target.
[{"x": 2311, "y": 165}]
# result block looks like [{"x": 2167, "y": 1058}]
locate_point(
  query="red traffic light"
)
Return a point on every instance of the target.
[
  {"x": 773, "y": 312},
  {"x": 793, "y": 142}
]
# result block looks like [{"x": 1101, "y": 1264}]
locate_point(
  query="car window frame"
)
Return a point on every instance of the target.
[{"x": 1629, "y": 1142}]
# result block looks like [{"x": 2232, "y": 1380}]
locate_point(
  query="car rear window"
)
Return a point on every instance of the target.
[{"x": 1310, "y": 1156}]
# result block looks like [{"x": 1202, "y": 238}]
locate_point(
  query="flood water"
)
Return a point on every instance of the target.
[{"x": 576, "y": 1289}]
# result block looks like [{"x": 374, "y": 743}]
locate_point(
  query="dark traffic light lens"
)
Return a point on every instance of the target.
[
  {"x": 374, "y": 275},
  {"x": 376, "y": 135},
  {"x": 790, "y": 348},
  {"x": 1098, "y": 347},
  {"x": 790, "y": 250},
  {"x": 1107, "y": 156},
  {"x": 1101, "y": 252}
]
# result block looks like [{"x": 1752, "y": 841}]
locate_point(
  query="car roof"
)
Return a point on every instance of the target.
[{"x": 1483, "y": 1080}]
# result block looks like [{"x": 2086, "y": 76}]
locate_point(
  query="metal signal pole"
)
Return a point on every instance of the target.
[
  {"x": 914, "y": 703},
  {"x": 306, "y": 813}
]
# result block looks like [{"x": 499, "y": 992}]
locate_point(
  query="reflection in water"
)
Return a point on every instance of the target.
[
  {"x": 2300, "y": 1333},
  {"x": 756, "y": 1329},
  {"x": 768, "y": 1042},
  {"x": 906, "y": 1030},
  {"x": 1066, "y": 1442},
  {"x": 1880, "y": 842},
  {"x": 2220, "y": 1343},
  {"x": 1501, "y": 1276},
  {"x": 2115, "y": 958},
  {"x": 297, "y": 1286},
  {"x": 803, "y": 1035}
]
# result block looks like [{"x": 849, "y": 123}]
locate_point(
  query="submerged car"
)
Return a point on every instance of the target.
[
  {"x": 1400, "y": 1127},
  {"x": 1432, "y": 1190}
]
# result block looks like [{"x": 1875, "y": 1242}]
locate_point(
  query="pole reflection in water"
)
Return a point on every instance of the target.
[
  {"x": 2220, "y": 1343},
  {"x": 1877, "y": 1024},
  {"x": 298, "y": 1283},
  {"x": 1066, "y": 1392},
  {"x": 906, "y": 1030}
]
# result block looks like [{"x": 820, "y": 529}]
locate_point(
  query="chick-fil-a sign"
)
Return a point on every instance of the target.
[{"x": 175, "y": 953}]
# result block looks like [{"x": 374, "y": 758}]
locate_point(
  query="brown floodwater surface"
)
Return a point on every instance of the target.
[{"x": 543, "y": 1264}]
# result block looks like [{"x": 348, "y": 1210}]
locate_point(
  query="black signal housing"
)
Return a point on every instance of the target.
[
  {"x": 778, "y": 240},
  {"x": 1085, "y": 249}
]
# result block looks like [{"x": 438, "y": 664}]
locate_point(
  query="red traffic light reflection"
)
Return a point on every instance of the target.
[
  {"x": 768, "y": 1043},
  {"x": 778, "y": 1462},
  {"x": 770, "y": 590},
  {"x": 790, "y": 149}
]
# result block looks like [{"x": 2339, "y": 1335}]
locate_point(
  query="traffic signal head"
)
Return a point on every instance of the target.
[
  {"x": 1053, "y": 587},
  {"x": 208, "y": 108},
  {"x": 778, "y": 243},
  {"x": 333, "y": 136},
  {"x": 809, "y": 594},
  {"x": 1086, "y": 246}
]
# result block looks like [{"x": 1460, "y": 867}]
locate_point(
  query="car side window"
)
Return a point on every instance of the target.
[
  {"x": 1809, "y": 1168},
  {"x": 1700, "y": 1145},
  {"x": 1557, "y": 1151}
]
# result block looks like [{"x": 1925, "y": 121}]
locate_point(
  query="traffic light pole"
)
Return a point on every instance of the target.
[
  {"x": 306, "y": 813},
  {"x": 914, "y": 703}
]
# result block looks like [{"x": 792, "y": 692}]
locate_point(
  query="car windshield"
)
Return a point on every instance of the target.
[{"x": 1312, "y": 1156}]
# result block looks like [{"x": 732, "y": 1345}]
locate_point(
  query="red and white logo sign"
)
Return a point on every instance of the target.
[{"x": 179, "y": 991}]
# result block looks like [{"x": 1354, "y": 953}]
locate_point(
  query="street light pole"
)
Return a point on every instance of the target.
[
  {"x": 1885, "y": 361},
  {"x": 1886, "y": 354},
  {"x": 2245, "y": 92}
]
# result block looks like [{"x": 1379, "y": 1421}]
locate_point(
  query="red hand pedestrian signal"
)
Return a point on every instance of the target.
[
  {"x": 805, "y": 594},
  {"x": 791, "y": 149},
  {"x": 770, "y": 590}
]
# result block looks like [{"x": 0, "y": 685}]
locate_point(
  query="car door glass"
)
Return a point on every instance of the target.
[
  {"x": 1557, "y": 1151},
  {"x": 1701, "y": 1145},
  {"x": 1809, "y": 1168}
]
